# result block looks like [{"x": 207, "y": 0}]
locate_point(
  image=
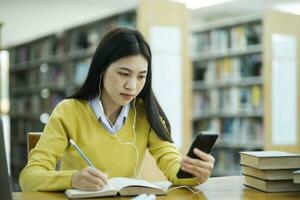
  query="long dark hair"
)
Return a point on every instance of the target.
[{"x": 116, "y": 44}]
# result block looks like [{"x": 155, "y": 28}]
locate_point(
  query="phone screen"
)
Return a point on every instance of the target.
[{"x": 203, "y": 141}]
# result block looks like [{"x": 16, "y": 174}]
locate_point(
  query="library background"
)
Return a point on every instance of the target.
[{"x": 235, "y": 72}]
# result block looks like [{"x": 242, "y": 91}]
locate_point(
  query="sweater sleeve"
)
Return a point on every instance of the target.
[
  {"x": 39, "y": 174},
  {"x": 167, "y": 158}
]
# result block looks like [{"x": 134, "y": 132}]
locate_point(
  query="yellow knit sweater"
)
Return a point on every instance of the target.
[{"x": 74, "y": 119}]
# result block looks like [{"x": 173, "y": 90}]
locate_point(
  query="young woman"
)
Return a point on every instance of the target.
[{"x": 113, "y": 118}]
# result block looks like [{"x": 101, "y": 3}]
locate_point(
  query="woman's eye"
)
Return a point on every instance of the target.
[
  {"x": 142, "y": 77},
  {"x": 123, "y": 74}
]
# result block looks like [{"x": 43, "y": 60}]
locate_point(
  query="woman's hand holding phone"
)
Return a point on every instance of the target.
[
  {"x": 201, "y": 167},
  {"x": 198, "y": 163}
]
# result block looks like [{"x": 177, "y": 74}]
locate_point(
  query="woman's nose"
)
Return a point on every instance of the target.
[{"x": 131, "y": 84}]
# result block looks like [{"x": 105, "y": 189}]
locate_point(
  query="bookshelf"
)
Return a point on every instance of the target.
[
  {"x": 46, "y": 70},
  {"x": 232, "y": 84},
  {"x": 228, "y": 86}
]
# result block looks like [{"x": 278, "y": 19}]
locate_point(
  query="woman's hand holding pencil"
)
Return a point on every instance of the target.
[{"x": 88, "y": 178}]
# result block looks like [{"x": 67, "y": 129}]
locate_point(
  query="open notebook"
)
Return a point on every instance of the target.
[{"x": 123, "y": 187}]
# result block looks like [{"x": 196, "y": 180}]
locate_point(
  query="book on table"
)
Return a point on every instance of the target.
[
  {"x": 123, "y": 187},
  {"x": 296, "y": 176},
  {"x": 268, "y": 174},
  {"x": 271, "y": 185},
  {"x": 270, "y": 159}
]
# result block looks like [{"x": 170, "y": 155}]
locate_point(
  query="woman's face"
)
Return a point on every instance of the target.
[{"x": 124, "y": 79}]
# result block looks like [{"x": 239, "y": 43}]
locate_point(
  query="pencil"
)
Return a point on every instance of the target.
[{"x": 81, "y": 153}]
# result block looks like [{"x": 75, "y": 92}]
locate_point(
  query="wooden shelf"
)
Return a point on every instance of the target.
[
  {"x": 237, "y": 145},
  {"x": 70, "y": 56},
  {"x": 240, "y": 114},
  {"x": 38, "y": 88},
  {"x": 203, "y": 56},
  {"x": 226, "y": 22},
  {"x": 243, "y": 82}
]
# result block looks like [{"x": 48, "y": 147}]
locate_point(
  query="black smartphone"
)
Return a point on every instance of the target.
[{"x": 203, "y": 141}]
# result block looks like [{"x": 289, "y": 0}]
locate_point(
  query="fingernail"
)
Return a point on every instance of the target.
[{"x": 196, "y": 150}]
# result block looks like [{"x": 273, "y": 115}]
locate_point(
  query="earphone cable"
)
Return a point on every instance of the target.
[
  {"x": 134, "y": 140},
  {"x": 133, "y": 130}
]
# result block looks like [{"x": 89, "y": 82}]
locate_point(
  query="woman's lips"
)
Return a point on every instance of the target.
[{"x": 127, "y": 96}]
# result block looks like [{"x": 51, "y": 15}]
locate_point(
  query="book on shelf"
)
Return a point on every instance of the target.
[
  {"x": 58, "y": 46},
  {"x": 199, "y": 71},
  {"x": 238, "y": 37},
  {"x": 270, "y": 159},
  {"x": 271, "y": 185},
  {"x": 123, "y": 187},
  {"x": 213, "y": 101},
  {"x": 256, "y": 97},
  {"x": 201, "y": 42},
  {"x": 296, "y": 176},
  {"x": 225, "y": 69},
  {"x": 219, "y": 39},
  {"x": 250, "y": 130},
  {"x": 254, "y": 33},
  {"x": 231, "y": 100},
  {"x": 251, "y": 65},
  {"x": 210, "y": 73},
  {"x": 271, "y": 174},
  {"x": 93, "y": 39},
  {"x": 245, "y": 99},
  {"x": 57, "y": 77}
]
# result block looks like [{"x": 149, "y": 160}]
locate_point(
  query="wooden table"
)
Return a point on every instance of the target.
[{"x": 220, "y": 188}]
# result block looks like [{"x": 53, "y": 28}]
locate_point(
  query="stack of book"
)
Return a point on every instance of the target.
[
  {"x": 296, "y": 176},
  {"x": 271, "y": 171}
]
